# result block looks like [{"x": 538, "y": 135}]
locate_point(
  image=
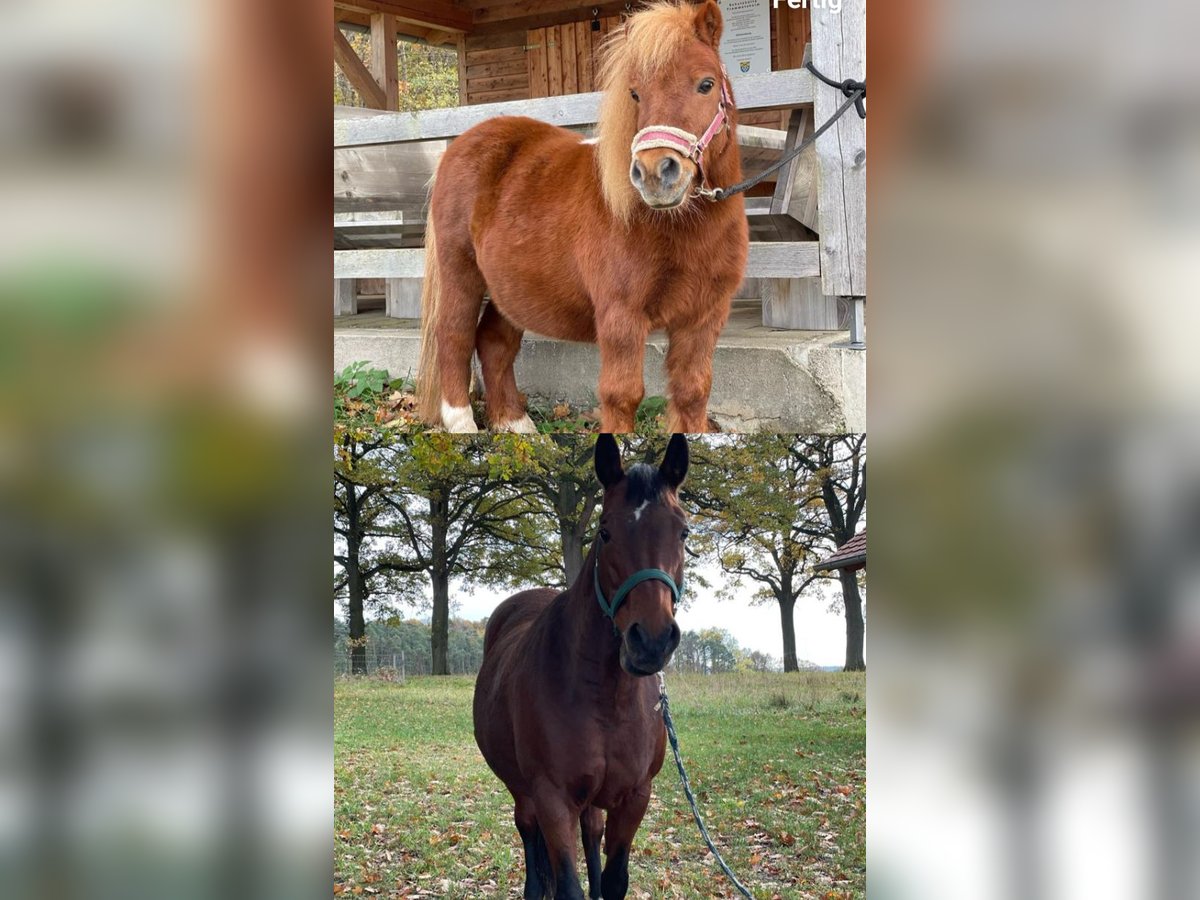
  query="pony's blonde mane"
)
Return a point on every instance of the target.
[{"x": 649, "y": 41}]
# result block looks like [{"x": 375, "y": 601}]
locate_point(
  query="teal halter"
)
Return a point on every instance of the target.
[{"x": 610, "y": 609}]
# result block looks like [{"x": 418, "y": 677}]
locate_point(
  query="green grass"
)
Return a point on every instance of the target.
[{"x": 777, "y": 763}]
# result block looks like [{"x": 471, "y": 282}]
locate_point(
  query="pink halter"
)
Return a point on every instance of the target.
[{"x": 685, "y": 142}]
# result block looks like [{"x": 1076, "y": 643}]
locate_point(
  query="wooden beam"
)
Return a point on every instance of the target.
[
  {"x": 383, "y": 58},
  {"x": 366, "y": 85},
  {"x": 521, "y": 15},
  {"x": 772, "y": 90},
  {"x": 379, "y": 264},
  {"x": 839, "y": 51},
  {"x": 440, "y": 14},
  {"x": 790, "y": 259}
]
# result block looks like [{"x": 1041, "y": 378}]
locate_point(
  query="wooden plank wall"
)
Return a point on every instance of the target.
[
  {"x": 495, "y": 68},
  {"x": 560, "y": 59}
]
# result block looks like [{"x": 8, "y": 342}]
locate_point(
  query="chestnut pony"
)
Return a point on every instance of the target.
[
  {"x": 564, "y": 702},
  {"x": 599, "y": 241}
]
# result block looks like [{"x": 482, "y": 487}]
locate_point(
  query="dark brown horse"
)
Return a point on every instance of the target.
[
  {"x": 564, "y": 703},
  {"x": 599, "y": 241}
]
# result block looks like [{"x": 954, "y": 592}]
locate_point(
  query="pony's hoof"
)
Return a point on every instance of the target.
[
  {"x": 523, "y": 425},
  {"x": 458, "y": 419}
]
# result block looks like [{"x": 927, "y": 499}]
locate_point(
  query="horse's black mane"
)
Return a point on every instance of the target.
[{"x": 643, "y": 483}]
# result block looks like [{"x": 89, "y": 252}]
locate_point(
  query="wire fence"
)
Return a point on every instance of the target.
[{"x": 398, "y": 664}]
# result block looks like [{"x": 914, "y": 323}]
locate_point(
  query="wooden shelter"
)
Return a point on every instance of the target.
[{"x": 538, "y": 58}]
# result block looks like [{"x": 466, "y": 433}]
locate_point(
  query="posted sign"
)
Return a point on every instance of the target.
[{"x": 746, "y": 42}]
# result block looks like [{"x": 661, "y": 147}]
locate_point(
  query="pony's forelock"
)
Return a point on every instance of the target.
[{"x": 649, "y": 41}]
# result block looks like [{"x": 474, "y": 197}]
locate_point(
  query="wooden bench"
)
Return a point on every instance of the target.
[{"x": 808, "y": 240}]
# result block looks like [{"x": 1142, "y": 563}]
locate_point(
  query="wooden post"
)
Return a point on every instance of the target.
[
  {"x": 383, "y": 58},
  {"x": 798, "y": 303},
  {"x": 460, "y": 45},
  {"x": 345, "y": 297},
  {"x": 356, "y": 73},
  {"x": 402, "y": 298},
  {"x": 839, "y": 52},
  {"x": 800, "y": 127}
]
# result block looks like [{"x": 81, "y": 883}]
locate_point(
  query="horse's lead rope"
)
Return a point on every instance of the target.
[
  {"x": 687, "y": 788},
  {"x": 855, "y": 91}
]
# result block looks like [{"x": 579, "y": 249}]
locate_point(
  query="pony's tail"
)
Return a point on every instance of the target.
[{"x": 429, "y": 385}]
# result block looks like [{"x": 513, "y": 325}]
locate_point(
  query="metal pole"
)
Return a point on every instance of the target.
[{"x": 858, "y": 325}]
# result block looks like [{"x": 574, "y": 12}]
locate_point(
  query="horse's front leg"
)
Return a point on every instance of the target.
[
  {"x": 689, "y": 373},
  {"x": 557, "y": 822},
  {"x": 537, "y": 865},
  {"x": 622, "y": 340},
  {"x": 622, "y": 825},
  {"x": 591, "y": 825}
]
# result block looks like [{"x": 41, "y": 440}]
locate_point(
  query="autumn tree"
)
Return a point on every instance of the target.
[
  {"x": 756, "y": 510},
  {"x": 837, "y": 465},
  {"x": 364, "y": 568},
  {"x": 459, "y": 509},
  {"x": 560, "y": 480}
]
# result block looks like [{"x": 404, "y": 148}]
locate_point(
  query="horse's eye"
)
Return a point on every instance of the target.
[
  {"x": 604, "y": 535},
  {"x": 684, "y": 535},
  {"x": 633, "y": 94},
  {"x": 705, "y": 86}
]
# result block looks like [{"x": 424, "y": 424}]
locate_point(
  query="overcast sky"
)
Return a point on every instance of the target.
[{"x": 820, "y": 634}]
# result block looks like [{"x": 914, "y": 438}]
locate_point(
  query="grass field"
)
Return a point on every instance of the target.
[{"x": 777, "y": 762}]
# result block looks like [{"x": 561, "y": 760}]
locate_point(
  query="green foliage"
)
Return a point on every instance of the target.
[
  {"x": 781, "y": 785},
  {"x": 356, "y": 380},
  {"x": 651, "y": 415},
  {"x": 428, "y": 76}
]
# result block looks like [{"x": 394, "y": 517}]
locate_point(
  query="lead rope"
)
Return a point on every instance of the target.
[
  {"x": 855, "y": 91},
  {"x": 687, "y": 788}
]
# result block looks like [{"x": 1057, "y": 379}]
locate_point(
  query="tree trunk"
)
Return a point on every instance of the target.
[
  {"x": 855, "y": 661},
  {"x": 572, "y": 548},
  {"x": 356, "y": 588},
  {"x": 439, "y": 635},
  {"x": 787, "y": 606},
  {"x": 358, "y": 625},
  {"x": 568, "y": 530}
]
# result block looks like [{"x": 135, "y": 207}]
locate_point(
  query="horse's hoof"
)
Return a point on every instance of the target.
[
  {"x": 458, "y": 419},
  {"x": 523, "y": 425}
]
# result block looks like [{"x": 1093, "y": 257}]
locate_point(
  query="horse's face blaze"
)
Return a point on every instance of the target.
[
  {"x": 663, "y": 176},
  {"x": 645, "y": 528}
]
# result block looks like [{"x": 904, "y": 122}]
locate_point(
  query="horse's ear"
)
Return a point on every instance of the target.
[
  {"x": 675, "y": 464},
  {"x": 608, "y": 460},
  {"x": 709, "y": 24}
]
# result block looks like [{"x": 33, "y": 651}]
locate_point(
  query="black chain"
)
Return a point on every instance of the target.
[
  {"x": 687, "y": 788},
  {"x": 856, "y": 93}
]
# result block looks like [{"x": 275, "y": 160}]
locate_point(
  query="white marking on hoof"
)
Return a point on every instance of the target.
[
  {"x": 458, "y": 419},
  {"x": 523, "y": 425}
]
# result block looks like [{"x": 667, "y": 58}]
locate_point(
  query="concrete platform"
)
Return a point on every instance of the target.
[{"x": 763, "y": 379}]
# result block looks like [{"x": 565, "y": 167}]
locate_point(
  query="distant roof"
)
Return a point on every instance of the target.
[{"x": 851, "y": 555}]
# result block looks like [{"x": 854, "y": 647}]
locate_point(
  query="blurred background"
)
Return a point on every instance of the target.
[
  {"x": 165, "y": 724},
  {"x": 1035, "y": 255},
  {"x": 164, "y": 428}
]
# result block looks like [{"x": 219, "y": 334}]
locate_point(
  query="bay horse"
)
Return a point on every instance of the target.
[
  {"x": 565, "y": 705},
  {"x": 600, "y": 241}
]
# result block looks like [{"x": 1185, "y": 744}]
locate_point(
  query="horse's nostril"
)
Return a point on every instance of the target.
[
  {"x": 635, "y": 172},
  {"x": 673, "y": 640},
  {"x": 668, "y": 171}
]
